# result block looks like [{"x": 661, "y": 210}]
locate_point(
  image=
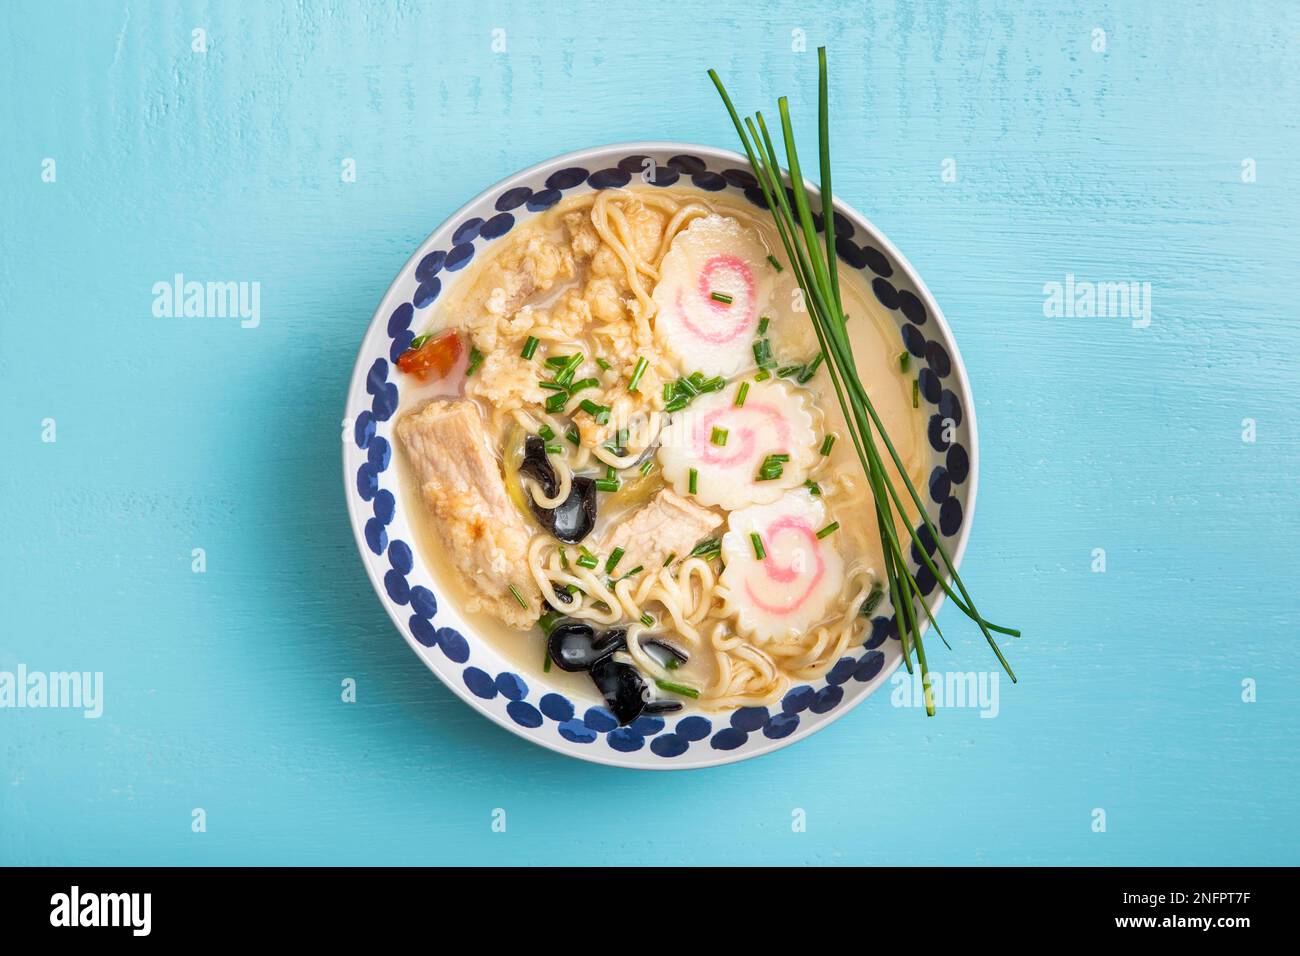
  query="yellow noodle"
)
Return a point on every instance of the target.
[
  {"x": 676, "y": 224},
  {"x": 600, "y": 220},
  {"x": 620, "y": 223}
]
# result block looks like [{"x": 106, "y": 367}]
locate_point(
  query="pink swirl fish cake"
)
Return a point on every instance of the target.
[
  {"x": 715, "y": 283},
  {"x": 790, "y": 588},
  {"x": 727, "y": 445}
]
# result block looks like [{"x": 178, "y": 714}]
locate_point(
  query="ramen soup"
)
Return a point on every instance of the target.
[{"x": 619, "y": 439}]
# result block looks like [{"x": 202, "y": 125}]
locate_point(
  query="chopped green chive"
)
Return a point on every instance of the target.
[
  {"x": 646, "y": 466},
  {"x": 828, "y": 443},
  {"x": 584, "y": 383},
  {"x": 614, "y": 558},
  {"x": 763, "y": 354},
  {"x": 548, "y": 621},
  {"x": 680, "y": 689},
  {"x": 810, "y": 369},
  {"x": 828, "y": 530},
  {"x": 772, "y": 467},
  {"x": 647, "y": 620},
  {"x": 693, "y": 481},
  {"x": 872, "y": 600},
  {"x": 587, "y": 560},
  {"x": 672, "y": 664},
  {"x": 637, "y": 570},
  {"x": 420, "y": 340},
  {"x": 720, "y": 297},
  {"x": 554, "y": 449},
  {"x": 904, "y": 361},
  {"x": 530, "y": 347},
  {"x": 475, "y": 360},
  {"x": 599, "y": 412},
  {"x": 609, "y": 485},
  {"x": 775, "y": 265},
  {"x": 763, "y": 376},
  {"x": 741, "y": 393},
  {"x": 558, "y": 361},
  {"x": 814, "y": 489},
  {"x": 573, "y": 435},
  {"x": 789, "y": 371},
  {"x": 679, "y": 394},
  {"x": 546, "y": 433},
  {"x": 604, "y": 365},
  {"x": 762, "y": 325},
  {"x": 565, "y": 375},
  {"x": 551, "y": 386},
  {"x": 707, "y": 548},
  {"x": 518, "y": 597},
  {"x": 669, "y": 560},
  {"x": 637, "y": 372},
  {"x": 564, "y": 559},
  {"x": 757, "y": 542},
  {"x": 719, "y": 436},
  {"x": 916, "y": 393},
  {"x": 557, "y": 402}
]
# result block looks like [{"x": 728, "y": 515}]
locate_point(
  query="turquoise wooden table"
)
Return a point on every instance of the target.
[{"x": 173, "y": 514}]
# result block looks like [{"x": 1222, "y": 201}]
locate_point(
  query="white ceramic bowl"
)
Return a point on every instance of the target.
[{"x": 434, "y": 628}]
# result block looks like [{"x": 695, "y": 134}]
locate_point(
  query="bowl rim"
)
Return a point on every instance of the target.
[{"x": 616, "y": 758}]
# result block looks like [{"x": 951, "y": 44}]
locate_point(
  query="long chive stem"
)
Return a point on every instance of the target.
[
  {"x": 817, "y": 273},
  {"x": 828, "y": 201}
]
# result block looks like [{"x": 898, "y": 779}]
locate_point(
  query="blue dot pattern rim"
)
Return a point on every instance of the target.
[{"x": 553, "y": 712}]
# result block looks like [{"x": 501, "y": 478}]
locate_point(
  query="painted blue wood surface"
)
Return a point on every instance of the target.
[{"x": 222, "y": 690}]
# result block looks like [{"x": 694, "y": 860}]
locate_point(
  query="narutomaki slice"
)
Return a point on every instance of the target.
[
  {"x": 789, "y": 589},
  {"x": 727, "y": 446},
  {"x": 714, "y": 284}
]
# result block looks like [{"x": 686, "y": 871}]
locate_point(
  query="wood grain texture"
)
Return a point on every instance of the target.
[{"x": 223, "y": 688}]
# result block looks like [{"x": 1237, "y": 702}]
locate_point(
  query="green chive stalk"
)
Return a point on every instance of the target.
[{"x": 816, "y": 270}]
